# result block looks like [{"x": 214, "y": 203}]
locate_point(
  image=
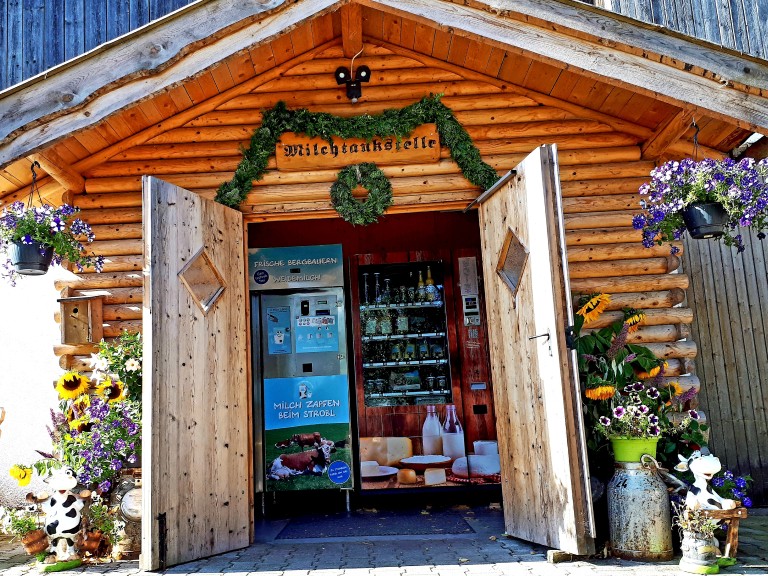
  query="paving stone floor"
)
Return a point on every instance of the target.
[{"x": 487, "y": 552}]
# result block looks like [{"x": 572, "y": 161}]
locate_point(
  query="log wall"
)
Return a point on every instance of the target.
[
  {"x": 729, "y": 296},
  {"x": 600, "y": 171}
]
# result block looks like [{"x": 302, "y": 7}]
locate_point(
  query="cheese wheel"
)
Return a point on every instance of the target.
[
  {"x": 476, "y": 466},
  {"x": 406, "y": 476},
  {"x": 434, "y": 476},
  {"x": 386, "y": 450}
]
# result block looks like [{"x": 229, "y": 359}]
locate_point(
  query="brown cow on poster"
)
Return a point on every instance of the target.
[
  {"x": 313, "y": 462},
  {"x": 313, "y": 439}
]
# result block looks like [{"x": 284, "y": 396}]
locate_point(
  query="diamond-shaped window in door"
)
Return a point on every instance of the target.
[
  {"x": 203, "y": 280},
  {"x": 512, "y": 261}
]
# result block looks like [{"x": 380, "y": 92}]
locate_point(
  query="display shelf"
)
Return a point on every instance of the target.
[
  {"x": 409, "y": 393},
  {"x": 433, "y": 304},
  {"x": 403, "y": 336},
  {"x": 405, "y": 363}
]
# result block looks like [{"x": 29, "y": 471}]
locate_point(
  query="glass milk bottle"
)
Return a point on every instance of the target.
[
  {"x": 453, "y": 434},
  {"x": 431, "y": 440}
]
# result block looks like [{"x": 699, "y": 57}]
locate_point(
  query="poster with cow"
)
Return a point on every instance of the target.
[{"x": 307, "y": 433}]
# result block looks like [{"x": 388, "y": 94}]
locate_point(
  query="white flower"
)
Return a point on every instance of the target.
[
  {"x": 133, "y": 365},
  {"x": 98, "y": 362}
]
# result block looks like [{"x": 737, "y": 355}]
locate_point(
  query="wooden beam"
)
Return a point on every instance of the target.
[
  {"x": 668, "y": 133},
  {"x": 127, "y": 70},
  {"x": 61, "y": 171},
  {"x": 351, "y": 29},
  {"x": 712, "y": 93}
]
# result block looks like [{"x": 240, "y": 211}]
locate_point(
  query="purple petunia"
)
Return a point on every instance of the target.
[
  {"x": 693, "y": 414},
  {"x": 57, "y": 225},
  {"x": 105, "y": 486},
  {"x": 654, "y": 431},
  {"x": 27, "y": 239},
  {"x": 132, "y": 459},
  {"x": 653, "y": 420},
  {"x": 643, "y": 409},
  {"x": 653, "y": 393},
  {"x": 604, "y": 420},
  {"x": 638, "y": 387},
  {"x": 619, "y": 411}
]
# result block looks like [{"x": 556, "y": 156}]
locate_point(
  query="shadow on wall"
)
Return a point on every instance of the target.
[{"x": 29, "y": 367}]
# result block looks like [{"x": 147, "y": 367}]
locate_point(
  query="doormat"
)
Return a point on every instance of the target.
[{"x": 385, "y": 523}]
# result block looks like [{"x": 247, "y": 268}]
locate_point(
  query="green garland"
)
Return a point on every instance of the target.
[
  {"x": 370, "y": 177},
  {"x": 392, "y": 122}
]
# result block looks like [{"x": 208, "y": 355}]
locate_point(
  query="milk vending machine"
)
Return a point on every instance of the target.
[{"x": 301, "y": 381}]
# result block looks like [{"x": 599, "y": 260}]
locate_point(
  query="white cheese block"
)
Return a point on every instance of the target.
[
  {"x": 386, "y": 450},
  {"x": 406, "y": 476},
  {"x": 434, "y": 476},
  {"x": 475, "y": 466},
  {"x": 370, "y": 468}
]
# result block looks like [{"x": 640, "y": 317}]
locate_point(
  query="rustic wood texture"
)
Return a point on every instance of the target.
[
  {"x": 195, "y": 391},
  {"x": 545, "y": 491},
  {"x": 728, "y": 295}
]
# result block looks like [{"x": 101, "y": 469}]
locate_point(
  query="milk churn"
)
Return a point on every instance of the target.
[{"x": 639, "y": 518}]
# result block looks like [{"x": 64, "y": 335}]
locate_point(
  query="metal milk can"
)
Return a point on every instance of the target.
[{"x": 639, "y": 519}]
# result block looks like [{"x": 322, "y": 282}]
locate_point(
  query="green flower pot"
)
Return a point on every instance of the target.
[{"x": 632, "y": 449}]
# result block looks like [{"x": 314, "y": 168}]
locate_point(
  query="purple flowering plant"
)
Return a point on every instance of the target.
[
  {"x": 740, "y": 186},
  {"x": 729, "y": 485},
  {"x": 106, "y": 439},
  {"x": 58, "y": 227}
]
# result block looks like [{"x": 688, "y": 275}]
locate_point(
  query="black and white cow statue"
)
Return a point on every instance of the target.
[
  {"x": 62, "y": 511},
  {"x": 701, "y": 495}
]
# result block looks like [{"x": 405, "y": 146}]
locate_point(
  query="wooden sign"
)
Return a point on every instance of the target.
[{"x": 300, "y": 152}]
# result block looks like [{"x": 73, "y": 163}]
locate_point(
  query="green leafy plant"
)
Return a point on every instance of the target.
[
  {"x": 694, "y": 520},
  {"x": 100, "y": 516},
  {"x": 120, "y": 360},
  {"x": 20, "y": 522},
  {"x": 393, "y": 122}
]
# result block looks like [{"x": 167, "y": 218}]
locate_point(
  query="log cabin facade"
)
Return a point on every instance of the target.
[{"x": 178, "y": 100}]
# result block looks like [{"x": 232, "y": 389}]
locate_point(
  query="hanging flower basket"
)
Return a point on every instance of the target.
[
  {"x": 705, "y": 220},
  {"x": 30, "y": 259}
]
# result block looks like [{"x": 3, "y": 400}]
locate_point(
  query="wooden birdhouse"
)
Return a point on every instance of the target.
[{"x": 81, "y": 320}]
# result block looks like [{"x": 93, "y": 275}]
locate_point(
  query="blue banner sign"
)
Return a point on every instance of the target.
[
  {"x": 296, "y": 267},
  {"x": 305, "y": 401}
]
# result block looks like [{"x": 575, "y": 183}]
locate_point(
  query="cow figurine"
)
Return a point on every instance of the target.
[
  {"x": 62, "y": 511},
  {"x": 313, "y": 462},
  {"x": 701, "y": 495}
]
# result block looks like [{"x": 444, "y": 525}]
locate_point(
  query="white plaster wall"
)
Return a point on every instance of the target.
[{"x": 28, "y": 369}]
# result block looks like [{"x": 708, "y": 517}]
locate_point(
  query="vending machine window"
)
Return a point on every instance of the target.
[{"x": 403, "y": 336}]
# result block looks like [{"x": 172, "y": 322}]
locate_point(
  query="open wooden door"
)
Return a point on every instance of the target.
[
  {"x": 197, "y": 496},
  {"x": 545, "y": 483}
]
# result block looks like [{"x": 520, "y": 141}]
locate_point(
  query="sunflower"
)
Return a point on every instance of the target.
[
  {"x": 633, "y": 321},
  {"x": 111, "y": 391},
  {"x": 72, "y": 385},
  {"x": 677, "y": 390},
  {"x": 652, "y": 372},
  {"x": 593, "y": 307},
  {"x": 600, "y": 393},
  {"x": 21, "y": 474},
  {"x": 82, "y": 424}
]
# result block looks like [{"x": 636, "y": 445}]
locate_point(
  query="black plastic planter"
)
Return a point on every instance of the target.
[
  {"x": 705, "y": 220},
  {"x": 28, "y": 260}
]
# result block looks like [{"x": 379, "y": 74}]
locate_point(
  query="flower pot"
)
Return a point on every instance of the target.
[
  {"x": 700, "y": 553},
  {"x": 632, "y": 449},
  {"x": 89, "y": 541},
  {"x": 35, "y": 542},
  {"x": 28, "y": 260},
  {"x": 705, "y": 219}
]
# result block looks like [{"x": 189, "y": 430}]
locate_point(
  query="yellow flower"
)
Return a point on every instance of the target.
[
  {"x": 600, "y": 393},
  {"x": 21, "y": 474},
  {"x": 593, "y": 307},
  {"x": 79, "y": 424},
  {"x": 653, "y": 372},
  {"x": 72, "y": 385},
  {"x": 634, "y": 321},
  {"x": 111, "y": 391},
  {"x": 677, "y": 390}
]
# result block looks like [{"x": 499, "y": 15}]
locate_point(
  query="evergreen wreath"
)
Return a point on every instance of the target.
[
  {"x": 393, "y": 122},
  {"x": 370, "y": 177}
]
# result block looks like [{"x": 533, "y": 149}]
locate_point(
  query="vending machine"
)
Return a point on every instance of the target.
[{"x": 301, "y": 380}]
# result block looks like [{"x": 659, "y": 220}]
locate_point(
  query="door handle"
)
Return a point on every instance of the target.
[{"x": 540, "y": 336}]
